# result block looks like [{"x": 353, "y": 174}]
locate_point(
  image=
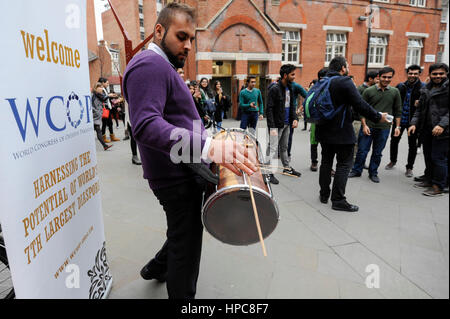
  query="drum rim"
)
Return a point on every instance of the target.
[
  {"x": 241, "y": 187},
  {"x": 257, "y": 190}
]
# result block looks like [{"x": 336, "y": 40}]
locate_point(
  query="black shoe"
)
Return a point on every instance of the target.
[
  {"x": 324, "y": 199},
  {"x": 313, "y": 167},
  {"x": 354, "y": 174},
  {"x": 374, "y": 178},
  {"x": 291, "y": 172},
  {"x": 344, "y": 206},
  {"x": 126, "y": 138},
  {"x": 419, "y": 178},
  {"x": 135, "y": 160},
  {"x": 148, "y": 272},
  {"x": 273, "y": 179}
]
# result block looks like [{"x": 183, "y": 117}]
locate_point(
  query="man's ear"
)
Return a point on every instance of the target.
[{"x": 159, "y": 32}]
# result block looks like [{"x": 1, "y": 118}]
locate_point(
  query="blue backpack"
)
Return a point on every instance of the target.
[{"x": 318, "y": 105}]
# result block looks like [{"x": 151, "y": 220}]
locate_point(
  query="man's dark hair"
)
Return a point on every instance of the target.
[
  {"x": 414, "y": 67},
  {"x": 385, "y": 70},
  {"x": 166, "y": 15},
  {"x": 337, "y": 63},
  {"x": 102, "y": 80},
  {"x": 286, "y": 69},
  {"x": 437, "y": 66},
  {"x": 370, "y": 75},
  {"x": 250, "y": 77},
  {"x": 322, "y": 73}
]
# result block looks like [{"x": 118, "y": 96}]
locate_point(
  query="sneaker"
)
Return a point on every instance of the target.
[
  {"x": 354, "y": 174},
  {"x": 419, "y": 178},
  {"x": 273, "y": 179},
  {"x": 374, "y": 178},
  {"x": 433, "y": 191},
  {"x": 409, "y": 173},
  {"x": 107, "y": 147},
  {"x": 291, "y": 172},
  {"x": 423, "y": 185},
  {"x": 389, "y": 166},
  {"x": 313, "y": 167}
]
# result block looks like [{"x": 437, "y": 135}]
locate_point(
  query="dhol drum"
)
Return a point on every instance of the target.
[{"x": 228, "y": 212}]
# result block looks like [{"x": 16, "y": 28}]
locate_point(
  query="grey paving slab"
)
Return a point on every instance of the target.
[
  {"x": 352, "y": 290},
  {"x": 330, "y": 233},
  {"x": 314, "y": 252},
  {"x": 427, "y": 269},
  {"x": 392, "y": 283}
]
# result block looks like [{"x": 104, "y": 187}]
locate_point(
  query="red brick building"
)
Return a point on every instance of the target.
[{"x": 240, "y": 37}]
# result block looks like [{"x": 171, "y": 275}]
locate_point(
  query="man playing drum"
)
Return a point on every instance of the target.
[{"x": 160, "y": 105}]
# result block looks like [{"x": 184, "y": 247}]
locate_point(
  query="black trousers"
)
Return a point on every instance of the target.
[
  {"x": 344, "y": 160},
  {"x": 107, "y": 123},
  {"x": 412, "y": 147},
  {"x": 99, "y": 135},
  {"x": 181, "y": 252},
  {"x": 435, "y": 153},
  {"x": 132, "y": 140}
]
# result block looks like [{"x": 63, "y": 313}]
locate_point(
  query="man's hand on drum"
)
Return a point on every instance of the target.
[{"x": 232, "y": 155}]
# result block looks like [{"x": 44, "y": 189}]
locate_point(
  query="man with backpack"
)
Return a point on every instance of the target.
[{"x": 329, "y": 103}]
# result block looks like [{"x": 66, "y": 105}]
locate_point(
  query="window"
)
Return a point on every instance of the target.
[
  {"x": 418, "y": 3},
  {"x": 336, "y": 43},
  {"x": 275, "y": 2},
  {"x": 439, "y": 57},
  {"x": 115, "y": 61},
  {"x": 290, "y": 52},
  {"x": 141, "y": 22},
  {"x": 386, "y": 1},
  {"x": 444, "y": 14},
  {"x": 442, "y": 37},
  {"x": 141, "y": 9},
  {"x": 377, "y": 50},
  {"x": 414, "y": 51},
  {"x": 142, "y": 36}
]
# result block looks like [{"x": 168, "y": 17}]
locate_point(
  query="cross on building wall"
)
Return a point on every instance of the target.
[{"x": 240, "y": 35}]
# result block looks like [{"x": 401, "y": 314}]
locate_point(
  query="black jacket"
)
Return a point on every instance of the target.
[
  {"x": 344, "y": 92},
  {"x": 415, "y": 95},
  {"x": 437, "y": 103},
  {"x": 222, "y": 105},
  {"x": 275, "y": 110}
]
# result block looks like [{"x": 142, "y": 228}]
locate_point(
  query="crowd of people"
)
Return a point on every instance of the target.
[{"x": 359, "y": 118}]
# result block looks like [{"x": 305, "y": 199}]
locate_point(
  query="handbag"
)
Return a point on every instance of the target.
[{"x": 105, "y": 113}]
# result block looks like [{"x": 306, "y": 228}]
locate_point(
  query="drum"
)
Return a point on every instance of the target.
[{"x": 227, "y": 213}]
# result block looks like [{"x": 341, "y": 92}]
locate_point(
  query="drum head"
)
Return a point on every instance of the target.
[{"x": 229, "y": 216}]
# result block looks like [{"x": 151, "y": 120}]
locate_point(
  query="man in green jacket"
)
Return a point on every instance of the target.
[
  {"x": 251, "y": 104},
  {"x": 385, "y": 99}
]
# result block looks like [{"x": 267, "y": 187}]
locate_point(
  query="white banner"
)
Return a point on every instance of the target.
[{"x": 50, "y": 208}]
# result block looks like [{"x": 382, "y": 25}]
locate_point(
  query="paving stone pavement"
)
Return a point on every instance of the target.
[{"x": 314, "y": 252}]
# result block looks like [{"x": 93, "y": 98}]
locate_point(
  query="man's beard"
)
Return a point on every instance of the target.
[{"x": 172, "y": 58}]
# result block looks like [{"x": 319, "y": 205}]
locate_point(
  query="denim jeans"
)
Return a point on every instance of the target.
[
  {"x": 379, "y": 138},
  {"x": 249, "y": 119},
  {"x": 280, "y": 142}
]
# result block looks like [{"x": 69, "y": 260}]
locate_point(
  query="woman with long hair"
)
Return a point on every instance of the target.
[
  {"x": 222, "y": 104},
  {"x": 98, "y": 99}
]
